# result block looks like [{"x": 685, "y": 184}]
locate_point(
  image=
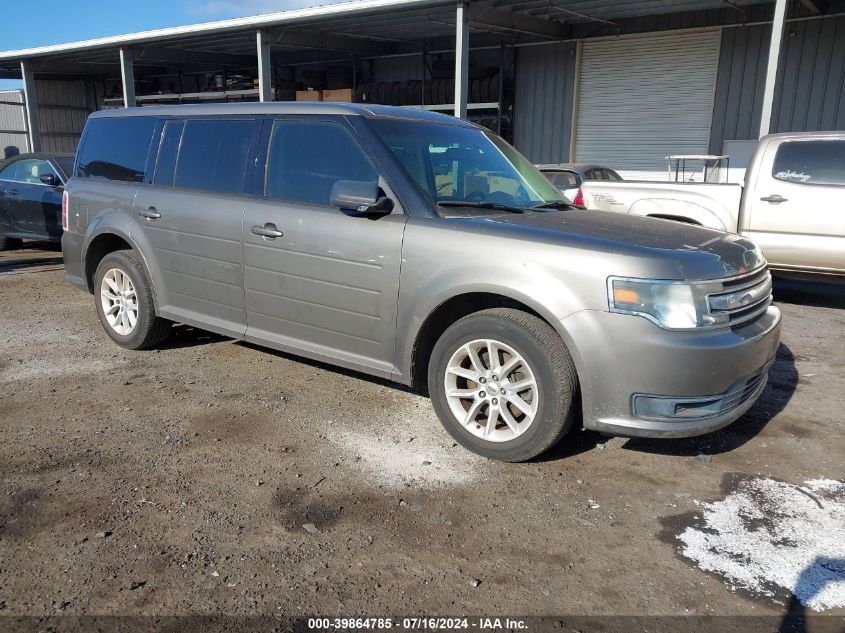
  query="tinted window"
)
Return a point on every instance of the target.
[
  {"x": 66, "y": 163},
  {"x": 306, "y": 159},
  {"x": 612, "y": 175},
  {"x": 811, "y": 162},
  {"x": 27, "y": 171},
  {"x": 9, "y": 172},
  {"x": 214, "y": 154},
  {"x": 116, "y": 149},
  {"x": 168, "y": 150}
]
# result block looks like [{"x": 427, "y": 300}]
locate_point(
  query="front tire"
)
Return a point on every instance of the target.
[
  {"x": 124, "y": 300},
  {"x": 503, "y": 384}
]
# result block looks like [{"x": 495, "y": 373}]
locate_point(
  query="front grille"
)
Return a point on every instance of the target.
[{"x": 743, "y": 298}]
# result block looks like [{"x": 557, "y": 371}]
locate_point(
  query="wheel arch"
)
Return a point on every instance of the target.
[
  {"x": 456, "y": 307},
  {"x": 678, "y": 211},
  {"x": 103, "y": 243}
]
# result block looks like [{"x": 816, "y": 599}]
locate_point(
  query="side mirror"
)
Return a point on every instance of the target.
[
  {"x": 51, "y": 180},
  {"x": 360, "y": 197}
]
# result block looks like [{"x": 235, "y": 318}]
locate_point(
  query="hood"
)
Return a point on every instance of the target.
[{"x": 695, "y": 252}]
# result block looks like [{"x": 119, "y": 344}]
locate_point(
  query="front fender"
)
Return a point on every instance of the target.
[{"x": 546, "y": 295}]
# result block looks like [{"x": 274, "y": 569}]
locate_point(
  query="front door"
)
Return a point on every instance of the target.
[
  {"x": 796, "y": 214},
  {"x": 318, "y": 280},
  {"x": 190, "y": 217}
]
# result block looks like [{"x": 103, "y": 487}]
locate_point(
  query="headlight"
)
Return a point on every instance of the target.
[{"x": 669, "y": 304}]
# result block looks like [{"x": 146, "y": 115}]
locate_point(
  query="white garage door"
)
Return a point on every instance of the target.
[{"x": 642, "y": 99}]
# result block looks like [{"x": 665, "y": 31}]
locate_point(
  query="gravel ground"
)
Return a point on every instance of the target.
[{"x": 216, "y": 477}]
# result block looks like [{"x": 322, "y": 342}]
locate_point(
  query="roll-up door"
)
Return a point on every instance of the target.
[{"x": 641, "y": 99}]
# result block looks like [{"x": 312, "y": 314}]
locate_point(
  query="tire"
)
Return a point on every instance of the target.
[
  {"x": 10, "y": 243},
  {"x": 148, "y": 330},
  {"x": 544, "y": 359}
]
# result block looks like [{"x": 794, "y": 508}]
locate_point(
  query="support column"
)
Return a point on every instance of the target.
[
  {"x": 772, "y": 68},
  {"x": 33, "y": 125},
  {"x": 127, "y": 74},
  {"x": 461, "y": 59},
  {"x": 265, "y": 84}
]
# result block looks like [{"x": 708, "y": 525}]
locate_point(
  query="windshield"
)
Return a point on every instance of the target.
[
  {"x": 66, "y": 163},
  {"x": 457, "y": 164}
]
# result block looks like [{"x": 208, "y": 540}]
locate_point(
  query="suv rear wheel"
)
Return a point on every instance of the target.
[
  {"x": 503, "y": 384},
  {"x": 124, "y": 300}
]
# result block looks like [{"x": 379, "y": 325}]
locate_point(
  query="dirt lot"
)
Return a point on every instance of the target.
[{"x": 179, "y": 481}]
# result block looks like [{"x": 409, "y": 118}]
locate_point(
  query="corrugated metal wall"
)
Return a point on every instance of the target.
[
  {"x": 545, "y": 82},
  {"x": 12, "y": 122},
  {"x": 810, "y": 92},
  {"x": 63, "y": 107}
]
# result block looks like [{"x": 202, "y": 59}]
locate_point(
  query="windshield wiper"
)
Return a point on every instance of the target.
[
  {"x": 481, "y": 205},
  {"x": 553, "y": 204}
]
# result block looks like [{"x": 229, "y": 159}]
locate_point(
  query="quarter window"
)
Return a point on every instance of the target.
[
  {"x": 116, "y": 149},
  {"x": 213, "y": 155},
  {"x": 307, "y": 159},
  {"x": 810, "y": 162}
]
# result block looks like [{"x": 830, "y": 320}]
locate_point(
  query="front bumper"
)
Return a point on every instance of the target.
[{"x": 638, "y": 380}]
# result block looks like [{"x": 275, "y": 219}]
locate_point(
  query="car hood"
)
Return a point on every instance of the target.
[{"x": 693, "y": 252}]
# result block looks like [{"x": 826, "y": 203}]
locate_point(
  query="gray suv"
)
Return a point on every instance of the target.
[{"x": 423, "y": 249}]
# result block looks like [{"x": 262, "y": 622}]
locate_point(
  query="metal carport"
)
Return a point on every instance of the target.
[{"x": 378, "y": 30}]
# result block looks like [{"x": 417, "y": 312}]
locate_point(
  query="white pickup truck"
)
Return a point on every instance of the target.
[{"x": 792, "y": 203}]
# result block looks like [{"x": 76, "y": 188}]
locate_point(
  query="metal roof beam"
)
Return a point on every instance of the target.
[
  {"x": 188, "y": 56},
  {"x": 331, "y": 42},
  {"x": 519, "y": 22}
]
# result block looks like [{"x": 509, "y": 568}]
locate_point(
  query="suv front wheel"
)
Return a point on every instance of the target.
[
  {"x": 124, "y": 299},
  {"x": 503, "y": 384}
]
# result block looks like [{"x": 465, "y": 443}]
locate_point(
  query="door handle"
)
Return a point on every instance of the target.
[
  {"x": 150, "y": 214},
  {"x": 268, "y": 231},
  {"x": 775, "y": 199},
  {"x": 13, "y": 192}
]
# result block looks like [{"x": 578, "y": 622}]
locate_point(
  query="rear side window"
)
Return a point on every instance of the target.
[
  {"x": 116, "y": 149},
  {"x": 306, "y": 159},
  {"x": 213, "y": 155},
  {"x": 810, "y": 162},
  {"x": 167, "y": 153}
]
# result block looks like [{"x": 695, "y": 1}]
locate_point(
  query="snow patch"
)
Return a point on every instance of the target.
[{"x": 771, "y": 537}]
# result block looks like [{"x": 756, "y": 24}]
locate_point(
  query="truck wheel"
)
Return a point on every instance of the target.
[
  {"x": 10, "y": 243},
  {"x": 124, "y": 300},
  {"x": 503, "y": 384}
]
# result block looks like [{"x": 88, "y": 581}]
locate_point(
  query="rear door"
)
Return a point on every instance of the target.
[
  {"x": 795, "y": 209},
  {"x": 189, "y": 215},
  {"x": 327, "y": 284}
]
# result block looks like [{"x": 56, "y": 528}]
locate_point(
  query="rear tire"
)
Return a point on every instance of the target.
[
  {"x": 123, "y": 298},
  {"x": 10, "y": 243},
  {"x": 517, "y": 405}
]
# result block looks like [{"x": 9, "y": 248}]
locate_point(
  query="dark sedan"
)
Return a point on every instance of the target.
[
  {"x": 567, "y": 177},
  {"x": 31, "y": 188}
]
